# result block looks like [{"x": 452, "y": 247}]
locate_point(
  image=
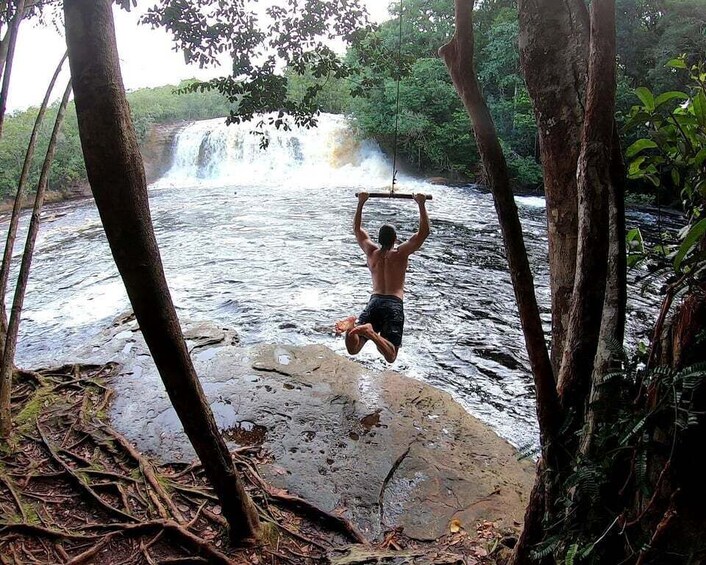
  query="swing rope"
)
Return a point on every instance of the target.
[
  {"x": 392, "y": 193},
  {"x": 397, "y": 108}
]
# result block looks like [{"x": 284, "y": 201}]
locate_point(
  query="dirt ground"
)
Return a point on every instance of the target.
[{"x": 73, "y": 490}]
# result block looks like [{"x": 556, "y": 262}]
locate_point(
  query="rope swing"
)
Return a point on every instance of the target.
[{"x": 392, "y": 193}]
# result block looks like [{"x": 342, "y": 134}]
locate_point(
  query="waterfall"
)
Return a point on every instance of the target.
[{"x": 211, "y": 152}]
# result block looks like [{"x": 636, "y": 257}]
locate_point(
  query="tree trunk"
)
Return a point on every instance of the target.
[
  {"x": 458, "y": 57},
  {"x": 594, "y": 179},
  {"x": 553, "y": 41},
  {"x": 117, "y": 178},
  {"x": 4, "y": 43},
  {"x": 15, "y": 217},
  {"x": 13, "y": 30},
  {"x": 674, "y": 518},
  {"x": 612, "y": 331},
  {"x": 8, "y": 359},
  {"x": 588, "y": 295}
]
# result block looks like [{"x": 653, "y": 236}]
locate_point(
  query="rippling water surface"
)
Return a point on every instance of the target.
[{"x": 262, "y": 242}]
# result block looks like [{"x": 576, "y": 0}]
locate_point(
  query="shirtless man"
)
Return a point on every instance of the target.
[{"x": 382, "y": 320}]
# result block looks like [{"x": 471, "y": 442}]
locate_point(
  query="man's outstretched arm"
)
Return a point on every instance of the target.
[
  {"x": 416, "y": 241},
  {"x": 366, "y": 244}
]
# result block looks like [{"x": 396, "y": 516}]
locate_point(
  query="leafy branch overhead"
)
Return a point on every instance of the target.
[
  {"x": 261, "y": 42},
  {"x": 672, "y": 155}
]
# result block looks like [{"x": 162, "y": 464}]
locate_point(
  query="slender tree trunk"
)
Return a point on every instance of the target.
[
  {"x": 458, "y": 56},
  {"x": 15, "y": 217},
  {"x": 12, "y": 41},
  {"x": 553, "y": 43},
  {"x": 4, "y": 43},
  {"x": 612, "y": 331},
  {"x": 13, "y": 327},
  {"x": 117, "y": 178}
]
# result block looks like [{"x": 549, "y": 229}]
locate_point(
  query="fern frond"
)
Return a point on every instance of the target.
[
  {"x": 545, "y": 549},
  {"x": 616, "y": 347},
  {"x": 636, "y": 428},
  {"x": 587, "y": 551},
  {"x": 641, "y": 470},
  {"x": 571, "y": 554}
]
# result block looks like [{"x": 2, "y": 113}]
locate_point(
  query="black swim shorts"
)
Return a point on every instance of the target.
[{"x": 386, "y": 314}]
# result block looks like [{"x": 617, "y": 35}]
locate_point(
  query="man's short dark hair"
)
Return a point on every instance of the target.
[{"x": 387, "y": 237}]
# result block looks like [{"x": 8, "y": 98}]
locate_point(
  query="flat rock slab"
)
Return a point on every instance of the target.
[{"x": 380, "y": 448}]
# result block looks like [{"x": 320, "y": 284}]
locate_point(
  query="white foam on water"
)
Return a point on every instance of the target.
[
  {"x": 531, "y": 201},
  {"x": 211, "y": 153}
]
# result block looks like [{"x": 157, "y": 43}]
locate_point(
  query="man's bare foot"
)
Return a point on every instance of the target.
[
  {"x": 364, "y": 330},
  {"x": 344, "y": 325}
]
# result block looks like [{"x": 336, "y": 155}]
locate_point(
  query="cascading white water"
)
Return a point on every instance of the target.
[
  {"x": 329, "y": 155},
  {"x": 261, "y": 241}
]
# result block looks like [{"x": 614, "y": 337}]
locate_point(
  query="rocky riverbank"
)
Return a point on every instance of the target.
[{"x": 381, "y": 449}]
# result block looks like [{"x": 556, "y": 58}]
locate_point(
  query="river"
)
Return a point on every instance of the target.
[{"x": 261, "y": 241}]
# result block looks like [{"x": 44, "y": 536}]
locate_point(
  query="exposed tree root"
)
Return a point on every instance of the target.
[
  {"x": 73, "y": 490},
  {"x": 147, "y": 471}
]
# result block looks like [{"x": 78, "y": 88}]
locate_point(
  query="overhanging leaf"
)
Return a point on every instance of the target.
[
  {"x": 636, "y": 166},
  {"x": 639, "y": 146},
  {"x": 646, "y": 97},
  {"x": 676, "y": 64},
  {"x": 696, "y": 232},
  {"x": 671, "y": 95},
  {"x": 700, "y": 157},
  {"x": 699, "y": 106}
]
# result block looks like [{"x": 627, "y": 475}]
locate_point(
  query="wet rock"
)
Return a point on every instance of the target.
[
  {"x": 157, "y": 149},
  {"x": 385, "y": 450},
  {"x": 204, "y": 334}
]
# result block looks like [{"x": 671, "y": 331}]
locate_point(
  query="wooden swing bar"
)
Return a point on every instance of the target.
[{"x": 404, "y": 195}]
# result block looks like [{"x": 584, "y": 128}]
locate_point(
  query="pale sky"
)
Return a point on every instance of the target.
[{"x": 147, "y": 58}]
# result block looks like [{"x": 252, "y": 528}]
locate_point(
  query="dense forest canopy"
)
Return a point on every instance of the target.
[{"x": 434, "y": 137}]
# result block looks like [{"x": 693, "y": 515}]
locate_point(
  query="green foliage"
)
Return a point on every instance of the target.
[
  {"x": 165, "y": 104},
  {"x": 433, "y": 129},
  {"x": 672, "y": 156},
  {"x": 635, "y": 247},
  {"x": 434, "y": 133},
  {"x": 296, "y": 38},
  {"x": 650, "y": 32},
  {"x": 149, "y": 106},
  {"x": 596, "y": 510},
  {"x": 330, "y": 94},
  {"x": 525, "y": 171}
]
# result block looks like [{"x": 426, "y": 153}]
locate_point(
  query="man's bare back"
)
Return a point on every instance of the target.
[
  {"x": 388, "y": 270},
  {"x": 382, "y": 320}
]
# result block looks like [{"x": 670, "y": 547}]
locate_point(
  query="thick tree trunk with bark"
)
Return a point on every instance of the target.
[
  {"x": 117, "y": 178},
  {"x": 612, "y": 331},
  {"x": 458, "y": 56},
  {"x": 585, "y": 307},
  {"x": 8, "y": 358},
  {"x": 594, "y": 179},
  {"x": 19, "y": 196},
  {"x": 553, "y": 41}
]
